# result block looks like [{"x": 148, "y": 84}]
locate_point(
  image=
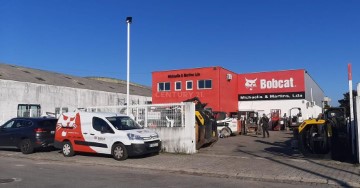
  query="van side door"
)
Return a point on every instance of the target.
[{"x": 100, "y": 136}]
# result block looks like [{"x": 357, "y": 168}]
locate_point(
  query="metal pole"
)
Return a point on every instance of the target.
[
  {"x": 128, "y": 21},
  {"x": 352, "y": 125},
  {"x": 358, "y": 123}
]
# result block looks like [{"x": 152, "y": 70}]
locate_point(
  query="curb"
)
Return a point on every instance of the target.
[{"x": 242, "y": 176}]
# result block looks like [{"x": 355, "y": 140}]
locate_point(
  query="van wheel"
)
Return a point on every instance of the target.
[
  {"x": 119, "y": 152},
  {"x": 26, "y": 146},
  {"x": 67, "y": 149}
]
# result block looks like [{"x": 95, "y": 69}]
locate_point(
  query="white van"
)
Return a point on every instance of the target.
[{"x": 107, "y": 133}]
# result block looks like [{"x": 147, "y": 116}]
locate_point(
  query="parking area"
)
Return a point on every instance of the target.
[
  {"x": 243, "y": 157},
  {"x": 278, "y": 145}
]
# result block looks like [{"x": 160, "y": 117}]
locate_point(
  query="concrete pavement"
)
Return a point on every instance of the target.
[{"x": 242, "y": 157}]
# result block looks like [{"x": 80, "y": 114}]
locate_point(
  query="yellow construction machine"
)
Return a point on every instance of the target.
[
  {"x": 325, "y": 135},
  {"x": 206, "y": 126}
]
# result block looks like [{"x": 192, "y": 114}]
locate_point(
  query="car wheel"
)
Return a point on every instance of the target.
[
  {"x": 119, "y": 152},
  {"x": 67, "y": 149},
  {"x": 26, "y": 146}
]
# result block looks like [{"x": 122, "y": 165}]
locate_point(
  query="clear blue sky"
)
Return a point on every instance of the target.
[{"x": 88, "y": 37}]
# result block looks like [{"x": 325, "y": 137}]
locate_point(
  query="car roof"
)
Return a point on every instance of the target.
[
  {"x": 97, "y": 114},
  {"x": 35, "y": 118}
]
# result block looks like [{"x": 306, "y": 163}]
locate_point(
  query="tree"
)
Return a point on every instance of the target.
[{"x": 345, "y": 102}]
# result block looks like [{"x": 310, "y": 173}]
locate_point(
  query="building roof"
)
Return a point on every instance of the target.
[{"x": 23, "y": 74}]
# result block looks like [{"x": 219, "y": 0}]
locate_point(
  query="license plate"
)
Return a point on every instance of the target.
[
  {"x": 52, "y": 132},
  {"x": 154, "y": 145}
]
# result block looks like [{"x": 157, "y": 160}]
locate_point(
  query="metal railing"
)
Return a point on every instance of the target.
[{"x": 154, "y": 115}]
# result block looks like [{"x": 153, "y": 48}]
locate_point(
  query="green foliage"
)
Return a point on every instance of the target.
[{"x": 345, "y": 102}]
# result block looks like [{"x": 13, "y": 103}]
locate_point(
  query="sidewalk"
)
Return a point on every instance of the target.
[{"x": 234, "y": 162}]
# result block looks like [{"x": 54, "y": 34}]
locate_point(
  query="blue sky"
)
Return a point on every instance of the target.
[{"x": 88, "y": 37}]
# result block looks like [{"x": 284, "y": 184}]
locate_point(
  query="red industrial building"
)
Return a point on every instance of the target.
[
  {"x": 213, "y": 85},
  {"x": 227, "y": 91}
]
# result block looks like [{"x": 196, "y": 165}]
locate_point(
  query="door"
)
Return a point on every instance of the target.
[
  {"x": 100, "y": 136},
  {"x": 6, "y": 132}
]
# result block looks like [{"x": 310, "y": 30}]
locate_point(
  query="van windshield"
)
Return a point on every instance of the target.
[{"x": 123, "y": 123}]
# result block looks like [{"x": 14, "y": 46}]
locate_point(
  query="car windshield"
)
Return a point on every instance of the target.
[{"x": 123, "y": 123}]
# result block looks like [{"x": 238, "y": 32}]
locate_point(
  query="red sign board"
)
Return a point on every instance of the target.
[{"x": 290, "y": 81}]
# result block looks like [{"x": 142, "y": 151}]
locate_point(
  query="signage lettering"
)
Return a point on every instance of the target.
[
  {"x": 269, "y": 84},
  {"x": 272, "y": 96},
  {"x": 183, "y": 75}
]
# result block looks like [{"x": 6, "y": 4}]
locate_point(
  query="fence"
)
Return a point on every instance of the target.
[
  {"x": 175, "y": 123},
  {"x": 156, "y": 115}
]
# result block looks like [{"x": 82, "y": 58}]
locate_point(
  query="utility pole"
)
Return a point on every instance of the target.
[{"x": 128, "y": 21}]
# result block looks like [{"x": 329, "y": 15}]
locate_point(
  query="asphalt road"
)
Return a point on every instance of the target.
[{"x": 33, "y": 173}]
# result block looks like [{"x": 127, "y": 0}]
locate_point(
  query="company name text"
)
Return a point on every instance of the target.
[{"x": 273, "y": 83}]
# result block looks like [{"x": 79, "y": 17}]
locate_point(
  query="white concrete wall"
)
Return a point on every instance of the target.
[
  {"x": 180, "y": 139},
  {"x": 49, "y": 97},
  {"x": 283, "y": 105}
]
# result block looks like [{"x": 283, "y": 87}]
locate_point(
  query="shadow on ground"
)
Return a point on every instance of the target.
[{"x": 284, "y": 149}]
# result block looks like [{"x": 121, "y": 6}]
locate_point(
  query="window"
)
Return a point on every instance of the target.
[
  {"x": 178, "y": 86},
  {"x": 29, "y": 110},
  {"x": 8, "y": 125},
  {"x": 101, "y": 125},
  {"x": 204, "y": 84},
  {"x": 189, "y": 85},
  {"x": 22, "y": 123},
  {"x": 123, "y": 123},
  {"x": 51, "y": 123},
  {"x": 164, "y": 86}
]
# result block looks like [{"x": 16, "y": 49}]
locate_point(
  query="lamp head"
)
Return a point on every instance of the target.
[{"x": 129, "y": 20}]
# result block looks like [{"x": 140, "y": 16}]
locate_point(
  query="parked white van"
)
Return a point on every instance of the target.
[{"x": 107, "y": 133}]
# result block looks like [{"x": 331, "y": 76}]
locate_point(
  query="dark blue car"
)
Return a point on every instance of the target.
[{"x": 27, "y": 134}]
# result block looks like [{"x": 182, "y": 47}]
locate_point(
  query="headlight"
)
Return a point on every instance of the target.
[{"x": 134, "y": 136}]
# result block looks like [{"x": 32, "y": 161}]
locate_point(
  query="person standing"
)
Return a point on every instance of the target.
[
  {"x": 264, "y": 122},
  {"x": 286, "y": 121}
]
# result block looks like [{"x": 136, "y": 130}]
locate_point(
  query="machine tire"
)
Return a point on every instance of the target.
[
  {"x": 26, "y": 146},
  {"x": 67, "y": 149},
  {"x": 303, "y": 141},
  {"x": 225, "y": 132},
  {"x": 119, "y": 152},
  {"x": 307, "y": 145},
  {"x": 322, "y": 147}
]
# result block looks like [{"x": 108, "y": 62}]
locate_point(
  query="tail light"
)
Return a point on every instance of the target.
[{"x": 39, "y": 130}]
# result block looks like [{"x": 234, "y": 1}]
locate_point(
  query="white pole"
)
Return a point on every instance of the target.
[
  {"x": 128, "y": 21},
  {"x": 351, "y": 109},
  {"x": 358, "y": 122}
]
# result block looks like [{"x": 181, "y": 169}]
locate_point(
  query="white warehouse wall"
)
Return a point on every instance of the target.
[
  {"x": 49, "y": 97},
  {"x": 283, "y": 105},
  {"x": 317, "y": 93}
]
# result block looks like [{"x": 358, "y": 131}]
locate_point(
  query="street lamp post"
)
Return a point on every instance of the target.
[{"x": 128, "y": 21}]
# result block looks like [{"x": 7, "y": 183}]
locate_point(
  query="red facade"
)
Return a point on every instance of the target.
[
  {"x": 280, "y": 85},
  {"x": 223, "y": 89},
  {"x": 272, "y": 82},
  {"x": 213, "y": 85}
]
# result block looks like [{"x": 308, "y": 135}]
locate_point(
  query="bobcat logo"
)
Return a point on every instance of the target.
[
  {"x": 67, "y": 122},
  {"x": 250, "y": 84}
]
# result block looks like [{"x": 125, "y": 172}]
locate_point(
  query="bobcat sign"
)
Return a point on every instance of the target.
[
  {"x": 268, "y": 84},
  {"x": 272, "y": 85}
]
